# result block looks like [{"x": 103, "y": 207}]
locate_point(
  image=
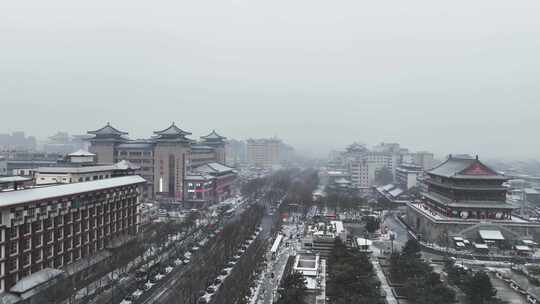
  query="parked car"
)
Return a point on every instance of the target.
[{"x": 168, "y": 269}]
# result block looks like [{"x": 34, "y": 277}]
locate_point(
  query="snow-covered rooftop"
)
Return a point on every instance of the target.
[
  {"x": 213, "y": 168},
  {"x": 12, "y": 179},
  {"x": 491, "y": 235},
  {"x": 28, "y": 195},
  {"x": 388, "y": 187},
  {"x": 395, "y": 192},
  {"x": 81, "y": 152},
  {"x": 34, "y": 280}
]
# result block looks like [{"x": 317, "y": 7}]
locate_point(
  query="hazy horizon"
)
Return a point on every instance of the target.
[{"x": 458, "y": 78}]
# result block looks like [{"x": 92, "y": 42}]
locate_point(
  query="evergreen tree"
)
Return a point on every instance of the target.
[
  {"x": 293, "y": 289},
  {"x": 479, "y": 289}
]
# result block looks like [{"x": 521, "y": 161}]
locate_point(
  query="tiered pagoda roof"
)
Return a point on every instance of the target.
[
  {"x": 213, "y": 136},
  {"x": 108, "y": 131},
  {"x": 465, "y": 167},
  {"x": 172, "y": 133}
]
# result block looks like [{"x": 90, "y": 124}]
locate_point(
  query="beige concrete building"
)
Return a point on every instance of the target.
[{"x": 264, "y": 153}]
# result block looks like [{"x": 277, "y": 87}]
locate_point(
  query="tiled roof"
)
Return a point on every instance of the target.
[
  {"x": 107, "y": 130},
  {"x": 213, "y": 136},
  {"x": 464, "y": 167},
  {"x": 172, "y": 130}
]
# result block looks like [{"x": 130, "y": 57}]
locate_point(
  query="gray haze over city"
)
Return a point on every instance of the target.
[{"x": 459, "y": 76}]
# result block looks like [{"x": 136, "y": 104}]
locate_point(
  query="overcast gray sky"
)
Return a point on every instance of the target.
[{"x": 447, "y": 76}]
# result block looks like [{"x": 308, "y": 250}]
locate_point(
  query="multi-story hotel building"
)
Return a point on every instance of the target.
[
  {"x": 165, "y": 159},
  {"x": 56, "y": 226}
]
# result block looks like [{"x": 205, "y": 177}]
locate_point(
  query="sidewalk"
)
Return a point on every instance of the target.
[{"x": 390, "y": 299}]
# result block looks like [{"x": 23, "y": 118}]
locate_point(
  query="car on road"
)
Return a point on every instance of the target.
[
  {"x": 137, "y": 294},
  {"x": 126, "y": 301},
  {"x": 211, "y": 289},
  {"x": 231, "y": 263},
  {"x": 218, "y": 281},
  {"x": 202, "y": 300},
  {"x": 224, "y": 271},
  {"x": 149, "y": 284},
  {"x": 186, "y": 261}
]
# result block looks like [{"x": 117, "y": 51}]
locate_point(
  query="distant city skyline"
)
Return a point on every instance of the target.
[{"x": 317, "y": 150}]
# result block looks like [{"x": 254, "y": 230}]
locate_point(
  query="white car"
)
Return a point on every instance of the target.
[
  {"x": 168, "y": 269},
  {"x": 149, "y": 285},
  {"x": 137, "y": 294},
  {"x": 178, "y": 262},
  {"x": 126, "y": 301},
  {"x": 159, "y": 276},
  {"x": 186, "y": 261}
]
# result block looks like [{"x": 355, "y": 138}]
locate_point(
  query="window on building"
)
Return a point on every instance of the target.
[
  {"x": 49, "y": 251},
  {"x": 59, "y": 220},
  {"x": 76, "y": 241},
  {"x": 36, "y": 256},
  {"x": 25, "y": 229},
  {"x": 13, "y": 233},
  {"x": 58, "y": 248},
  {"x": 26, "y": 244},
  {"x": 12, "y": 264},
  {"x": 37, "y": 226},
  {"x": 36, "y": 239},
  {"x": 48, "y": 237},
  {"x": 26, "y": 259},
  {"x": 13, "y": 249}
]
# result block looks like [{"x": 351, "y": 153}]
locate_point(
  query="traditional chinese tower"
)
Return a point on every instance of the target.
[
  {"x": 217, "y": 142},
  {"x": 104, "y": 142},
  {"x": 463, "y": 187},
  {"x": 171, "y": 156}
]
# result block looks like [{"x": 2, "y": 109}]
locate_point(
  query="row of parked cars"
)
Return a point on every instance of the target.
[
  {"x": 206, "y": 296},
  {"x": 516, "y": 287},
  {"x": 151, "y": 273}
]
